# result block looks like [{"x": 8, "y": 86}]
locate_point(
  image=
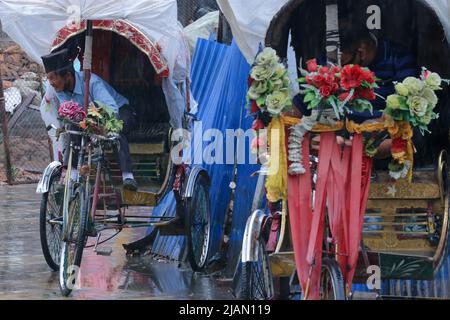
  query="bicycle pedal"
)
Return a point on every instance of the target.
[{"x": 104, "y": 251}]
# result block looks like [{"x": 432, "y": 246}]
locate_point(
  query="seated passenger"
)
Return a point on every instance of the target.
[
  {"x": 390, "y": 63},
  {"x": 68, "y": 84}
]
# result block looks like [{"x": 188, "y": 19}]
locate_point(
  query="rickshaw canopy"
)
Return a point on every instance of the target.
[
  {"x": 251, "y": 19},
  {"x": 35, "y": 24}
]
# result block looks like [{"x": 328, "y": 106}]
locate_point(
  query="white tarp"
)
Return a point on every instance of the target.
[
  {"x": 33, "y": 24},
  {"x": 250, "y": 19},
  {"x": 201, "y": 29}
]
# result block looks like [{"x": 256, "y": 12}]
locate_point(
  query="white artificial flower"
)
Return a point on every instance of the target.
[
  {"x": 276, "y": 102},
  {"x": 414, "y": 85},
  {"x": 268, "y": 57},
  {"x": 418, "y": 106},
  {"x": 433, "y": 81},
  {"x": 253, "y": 93},
  {"x": 402, "y": 89},
  {"x": 430, "y": 96},
  {"x": 262, "y": 73}
]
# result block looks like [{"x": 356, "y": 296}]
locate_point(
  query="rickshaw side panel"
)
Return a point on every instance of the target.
[{"x": 406, "y": 227}]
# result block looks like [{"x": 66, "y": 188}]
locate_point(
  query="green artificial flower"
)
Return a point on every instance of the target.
[
  {"x": 426, "y": 119},
  {"x": 277, "y": 102},
  {"x": 268, "y": 57},
  {"x": 433, "y": 81},
  {"x": 280, "y": 71},
  {"x": 394, "y": 101},
  {"x": 414, "y": 85},
  {"x": 257, "y": 89},
  {"x": 402, "y": 89},
  {"x": 277, "y": 85},
  {"x": 430, "y": 96},
  {"x": 262, "y": 73},
  {"x": 418, "y": 106}
]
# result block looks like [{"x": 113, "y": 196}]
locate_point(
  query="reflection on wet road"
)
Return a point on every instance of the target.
[{"x": 24, "y": 273}]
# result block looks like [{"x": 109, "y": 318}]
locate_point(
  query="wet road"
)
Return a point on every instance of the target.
[{"x": 24, "y": 273}]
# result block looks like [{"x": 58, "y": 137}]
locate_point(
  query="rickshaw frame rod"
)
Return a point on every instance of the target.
[{"x": 138, "y": 217}]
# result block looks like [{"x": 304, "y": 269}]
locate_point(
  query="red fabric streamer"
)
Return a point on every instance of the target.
[
  {"x": 361, "y": 169},
  {"x": 300, "y": 209},
  {"x": 342, "y": 188}
]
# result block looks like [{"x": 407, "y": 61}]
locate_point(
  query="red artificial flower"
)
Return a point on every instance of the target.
[
  {"x": 351, "y": 77},
  {"x": 312, "y": 65},
  {"x": 334, "y": 88},
  {"x": 258, "y": 143},
  {"x": 365, "y": 93},
  {"x": 325, "y": 91},
  {"x": 258, "y": 125},
  {"x": 250, "y": 81},
  {"x": 319, "y": 80},
  {"x": 254, "y": 107},
  {"x": 335, "y": 69},
  {"x": 399, "y": 145},
  {"x": 324, "y": 70},
  {"x": 425, "y": 74},
  {"x": 368, "y": 76}
]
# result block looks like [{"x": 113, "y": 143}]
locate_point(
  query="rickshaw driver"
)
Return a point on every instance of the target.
[
  {"x": 68, "y": 84},
  {"x": 389, "y": 62}
]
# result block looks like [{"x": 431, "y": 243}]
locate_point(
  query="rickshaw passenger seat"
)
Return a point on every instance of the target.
[{"x": 150, "y": 133}]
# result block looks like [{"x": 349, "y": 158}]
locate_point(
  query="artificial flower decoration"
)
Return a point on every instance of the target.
[
  {"x": 99, "y": 119},
  {"x": 412, "y": 106},
  {"x": 269, "y": 85},
  {"x": 343, "y": 90},
  {"x": 269, "y": 96},
  {"x": 72, "y": 111}
]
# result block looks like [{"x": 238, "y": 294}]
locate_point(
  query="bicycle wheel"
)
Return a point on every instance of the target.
[
  {"x": 198, "y": 225},
  {"x": 72, "y": 248},
  {"x": 50, "y": 222},
  {"x": 332, "y": 285},
  {"x": 256, "y": 279}
]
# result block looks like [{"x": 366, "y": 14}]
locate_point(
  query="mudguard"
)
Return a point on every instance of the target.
[
  {"x": 44, "y": 183},
  {"x": 251, "y": 236},
  {"x": 193, "y": 173}
]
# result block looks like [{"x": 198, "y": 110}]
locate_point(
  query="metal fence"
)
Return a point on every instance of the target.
[{"x": 28, "y": 146}]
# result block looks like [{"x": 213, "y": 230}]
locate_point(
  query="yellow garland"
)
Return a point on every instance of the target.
[
  {"x": 290, "y": 121},
  {"x": 276, "y": 183},
  {"x": 371, "y": 127},
  {"x": 402, "y": 130},
  {"x": 410, "y": 157},
  {"x": 320, "y": 128}
]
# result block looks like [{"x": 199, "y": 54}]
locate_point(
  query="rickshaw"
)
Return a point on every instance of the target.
[
  {"x": 147, "y": 61},
  {"x": 405, "y": 230}
]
